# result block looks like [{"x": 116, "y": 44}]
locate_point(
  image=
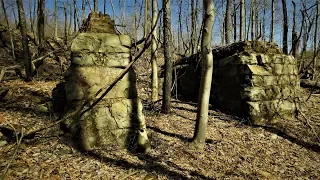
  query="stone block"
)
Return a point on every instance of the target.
[
  {"x": 265, "y": 59},
  {"x": 257, "y": 80},
  {"x": 113, "y": 121},
  {"x": 291, "y": 60},
  {"x": 284, "y": 106},
  {"x": 81, "y": 81},
  {"x": 101, "y": 42},
  {"x": 278, "y": 69},
  {"x": 269, "y": 112},
  {"x": 284, "y": 80},
  {"x": 287, "y": 92},
  {"x": 272, "y": 92},
  {"x": 269, "y": 80},
  {"x": 258, "y": 70},
  {"x": 295, "y": 70},
  {"x": 248, "y": 58},
  {"x": 293, "y": 79},
  {"x": 278, "y": 59},
  {"x": 101, "y": 59},
  {"x": 253, "y": 93}
]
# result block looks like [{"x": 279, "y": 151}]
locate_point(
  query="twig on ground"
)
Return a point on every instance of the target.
[
  {"x": 310, "y": 126},
  {"x": 13, "y": 157}
]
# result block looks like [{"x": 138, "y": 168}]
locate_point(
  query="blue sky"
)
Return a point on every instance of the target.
[{"x": 219, "y": 6}]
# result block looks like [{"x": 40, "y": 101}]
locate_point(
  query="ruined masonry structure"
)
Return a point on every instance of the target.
[
  {"x": 97, "y": 59},
  {"x": 253, "y": 80}
]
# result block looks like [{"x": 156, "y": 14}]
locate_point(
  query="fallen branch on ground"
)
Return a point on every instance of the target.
[
  {"x": 14, "y": 154},
  {"x": 309, "y": 125}
]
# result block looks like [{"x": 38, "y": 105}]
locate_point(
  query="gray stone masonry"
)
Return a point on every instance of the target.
[
  {"x": 97, "y": 59},
  {"x": 253, "y": 80}
]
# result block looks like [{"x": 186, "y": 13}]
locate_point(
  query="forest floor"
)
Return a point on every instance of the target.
[{"x": 233, "y": 150}]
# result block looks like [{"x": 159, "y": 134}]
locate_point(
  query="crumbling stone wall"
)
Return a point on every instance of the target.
[
  {"x": 253, "y": 80},
  {"x": 97, "y": 59}
]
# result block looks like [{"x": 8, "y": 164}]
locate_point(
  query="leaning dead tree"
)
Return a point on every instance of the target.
[{"x": 206, "y": 76}]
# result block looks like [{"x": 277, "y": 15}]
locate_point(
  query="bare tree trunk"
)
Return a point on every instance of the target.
[
  {"x": 206, "y": 76},
  {"x": 65, "y": 23},
  {"x": 41, "y": 4},
  {"x": 154, "y": 52},
  {"x": 167, "y": 43},
  {"x": 113, "y": 11},
  {"x": 264, "y": 21},
  {"x": 315, "y": 43},
  {"x": 135, "y": 23},
  {"x": 23, "y": 30},
  {"x": 295, "y": 41},
  {"x": 70, "y": 19},
  {"x": 104, "y": 6},
  {"x": 307, "y": 30},
  {"x": 83, "y": 9},
  {"x": 95, "y": 5},
  {"x": 234, "y": 20},
  {"x": 31, "y": 19},
  {"x": 8, "y": 26},
  {"x": 14, "y": 16},
  {"x": 227, "y": 22},
  {"x": 252, "y": 19},
  {"x": 285, "y": 27},
  {"x": 256, "y": 20},
  {"x": 146, "y": 18},
  {"x": 75, "y": 16},
  {"x": 194, "y": 15},
  {"x": 180, "y": 44},
  {"x": 242, "y": 20},
  {"x": 55, "y": 19},
  {"x": 272, "y": 22}
]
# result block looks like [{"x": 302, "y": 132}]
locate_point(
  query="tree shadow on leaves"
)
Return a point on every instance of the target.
[
  {"x": 152, "y": 165},
  {"x": 179, "y": 136},
  {"x": 295, "y": 140}
]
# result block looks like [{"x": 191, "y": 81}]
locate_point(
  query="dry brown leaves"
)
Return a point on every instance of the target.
[{"x": 233, "y": 150}]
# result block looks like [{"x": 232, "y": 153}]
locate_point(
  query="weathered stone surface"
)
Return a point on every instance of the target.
[
  {"x": 258, "y": 70},
  {"x": 283, "y": 79},
  {"x": 238, "y": 59},
  {"x": 116, "y": 121},
  {"x": 97, "y": 59},
  {"x": 84, "y": 81},
  {"x": 101, "y": 59},
  {"x": 270, "y": 112},
  {"x": 250, "y": 79},
  {"x": 101, "y": 42},
  {"x": 278, "y": 69}
]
